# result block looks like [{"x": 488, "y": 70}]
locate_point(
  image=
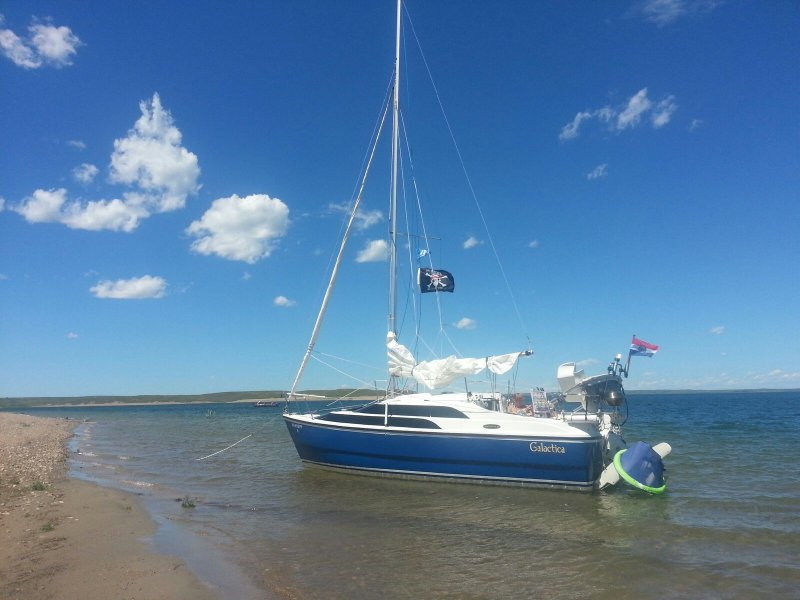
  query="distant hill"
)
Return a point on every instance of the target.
[
  {"x": 222, "y": 397},
  {"x": 183, "y": 399}
]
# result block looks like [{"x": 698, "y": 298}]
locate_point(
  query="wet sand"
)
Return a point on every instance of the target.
[{"x": 67, "y": 539}]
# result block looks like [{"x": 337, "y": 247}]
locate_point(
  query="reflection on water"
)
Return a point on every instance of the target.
[{"x": 728, "y": 526}]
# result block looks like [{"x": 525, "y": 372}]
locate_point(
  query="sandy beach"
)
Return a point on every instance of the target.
[{"x": 65, "y": 539}]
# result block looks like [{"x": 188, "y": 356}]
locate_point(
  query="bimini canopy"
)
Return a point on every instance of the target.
[{"x": 435, "y": 374}]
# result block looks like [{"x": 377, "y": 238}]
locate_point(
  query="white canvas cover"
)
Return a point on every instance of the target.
[{"x": 436, "y": 374}]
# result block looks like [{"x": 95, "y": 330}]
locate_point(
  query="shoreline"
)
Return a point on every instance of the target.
[
  {"x": 67, "y": 538},
  {"x": 281, "y": 401}
]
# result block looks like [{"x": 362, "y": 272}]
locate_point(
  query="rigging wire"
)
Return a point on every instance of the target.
[
  {"x": 469, "y": 181},
  {"x": 330, "y": 366},
  {"x": 376, "y": 129}
]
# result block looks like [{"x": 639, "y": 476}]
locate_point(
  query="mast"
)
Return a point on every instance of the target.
[{"x": 393, "y": 192}]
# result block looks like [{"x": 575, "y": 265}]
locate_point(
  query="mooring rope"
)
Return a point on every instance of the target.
[{"x": 223, "y": 450}]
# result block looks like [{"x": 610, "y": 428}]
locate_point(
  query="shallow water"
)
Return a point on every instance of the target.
[{"x": 728, "y": 526}]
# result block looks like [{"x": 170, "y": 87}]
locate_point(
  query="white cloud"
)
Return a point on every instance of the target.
[
  {"x": 2, "y": 204},
  {"x": 283, "y": 301},
  {"x": 43, "y": 206},
  {"x": 375, "y": 251},
  {"x": 52, "y": 206},
  {"x": 663, "y": 12},
  {"x": 131, "y": 289},
  {"x": 696, "y": 124},
  {"x": 72, "y": 336},
  {"x": 718, "y": 330},
  {"x": 77, "y": 144},
  {"x": 570, "y": 130},
  {"x": 465, "y": 323},
  {"x": 626, "y": 116},
  {"x": 637, "y": 104},
  {"x": 150, "y": 158},
  {"x": 780, "y": 376},
  {"x": 662, "y": 113},
  {"x": 46, "y": 45},
  {"x": 533, "y": 244},
  {"x": 471, "y": 242},
  {"x": 245, "y": 229},
  {"x": 247, "y": 276},
  {"x": 598, "y": 172},
  {"x": 97, "y": 215},
  {"x": 85, "y": 173},
  {"x": 17, "y": 51},
  {"x": 364, "y": 218}
]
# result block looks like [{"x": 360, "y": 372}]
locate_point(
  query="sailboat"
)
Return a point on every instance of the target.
[{"x": 468, "y": 437}]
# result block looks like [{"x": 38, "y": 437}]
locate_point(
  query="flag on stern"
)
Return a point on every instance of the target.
[
  {"x": 642, "y": 348},
  {"x": 435, "y": 280}
]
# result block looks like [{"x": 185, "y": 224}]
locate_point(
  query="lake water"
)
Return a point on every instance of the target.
[{"x": 265, "y": 526}]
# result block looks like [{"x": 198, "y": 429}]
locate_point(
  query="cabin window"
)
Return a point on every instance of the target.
[
  {"x": 405, "y": 410},
  {"x": 377, "y": 420}
]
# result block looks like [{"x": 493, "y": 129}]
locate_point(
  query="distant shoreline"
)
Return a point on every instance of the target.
[{"x": 252, "y": 397}]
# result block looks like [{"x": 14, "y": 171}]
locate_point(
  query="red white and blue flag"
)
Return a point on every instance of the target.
[{"x": 642, "y": 348}]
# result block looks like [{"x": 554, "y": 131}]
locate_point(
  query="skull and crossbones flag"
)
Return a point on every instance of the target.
[{"x": 435, "y": 280}]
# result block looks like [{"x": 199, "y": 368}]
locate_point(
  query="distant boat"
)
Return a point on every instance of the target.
[
  {"x": 465, "y": 436},
  {"x": 265, "y": 403}
]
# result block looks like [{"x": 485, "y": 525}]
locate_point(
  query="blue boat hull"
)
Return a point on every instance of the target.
[{"x": 562, "y": 463}]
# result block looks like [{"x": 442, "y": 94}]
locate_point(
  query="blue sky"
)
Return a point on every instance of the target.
[{"x": 173, "y": 174}]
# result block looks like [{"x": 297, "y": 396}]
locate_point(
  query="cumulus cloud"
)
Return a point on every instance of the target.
[
  {"x": 72, "y": 336},
  {"x": 465, "y": 323},
  {"x": 150, "y": 159},
  {"x": 85, "y": 173},
  {"x": 718, "y": 330},
  {"x": 625, "y": 116},
  {"x": 598, "y": 172},
  {"x": 246, "y": 229},
  {"x": 374, "y": 251},
  {"x": 471, "y": 242},
  {"x": 283, "y": 301},
  {"x": 131, "y": 289},
  {"x": 364, "y": 218},
  {"x": 46, "y": 45},
  {"x": 52, "y": 206},
  {"x": 77, "y": 144}
]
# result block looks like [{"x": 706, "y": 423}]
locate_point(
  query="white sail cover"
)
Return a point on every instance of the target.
[{"x": 439, "y": 373}]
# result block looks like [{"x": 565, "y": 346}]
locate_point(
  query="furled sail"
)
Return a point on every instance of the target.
[{"x": 439, "y": 373}]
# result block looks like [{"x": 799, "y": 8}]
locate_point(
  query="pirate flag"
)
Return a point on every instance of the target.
[{"x": 435, "y": 280}]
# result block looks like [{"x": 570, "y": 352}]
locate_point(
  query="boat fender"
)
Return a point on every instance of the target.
[{"x": 641, "y": 466}]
